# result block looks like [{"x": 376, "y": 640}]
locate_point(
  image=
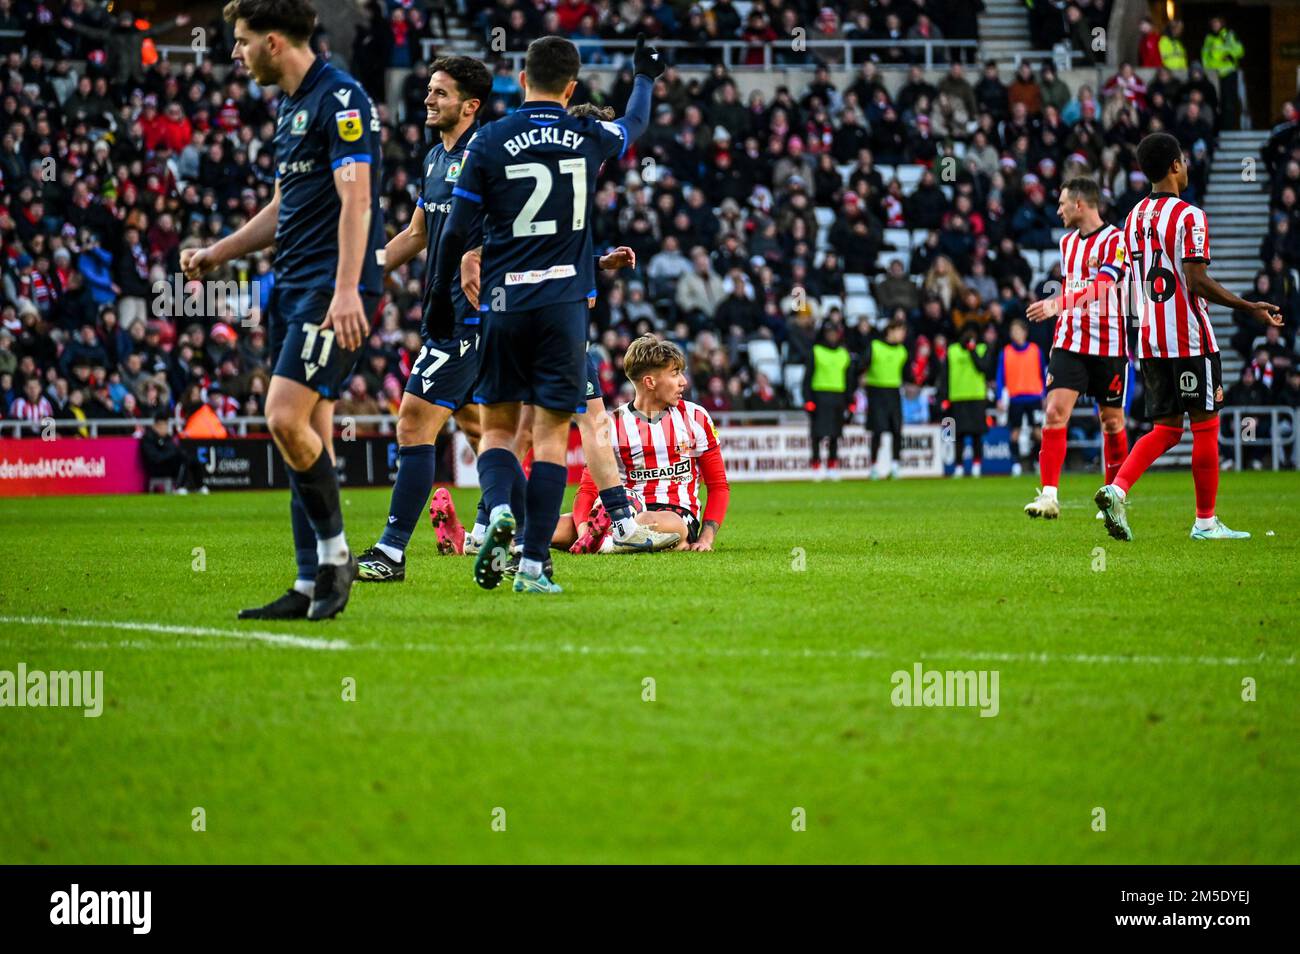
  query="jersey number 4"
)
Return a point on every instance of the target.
[{"x": 525, "y": 223}]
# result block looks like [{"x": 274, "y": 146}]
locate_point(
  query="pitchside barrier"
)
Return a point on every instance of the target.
[{"x": 103, "y": 456}]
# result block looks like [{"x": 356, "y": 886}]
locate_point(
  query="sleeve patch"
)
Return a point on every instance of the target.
[{"x": 348, "y": 122}]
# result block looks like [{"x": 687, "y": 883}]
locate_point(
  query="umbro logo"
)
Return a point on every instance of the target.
[{"x": 343, "y": 96}]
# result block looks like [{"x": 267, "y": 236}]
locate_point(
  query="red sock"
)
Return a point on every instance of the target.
[
  {"x": 1145, "y": 453},
  {"x": 1205, "y": 465},
  {"x": 1051, "y": 456},
  {"x": 1114, "y": 450}
]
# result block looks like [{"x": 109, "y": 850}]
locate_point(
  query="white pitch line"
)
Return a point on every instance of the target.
[
  {"x": 253, "y": 635},
  {"x": 572, "y": 649},
  {"x": 569, "y": 649}
]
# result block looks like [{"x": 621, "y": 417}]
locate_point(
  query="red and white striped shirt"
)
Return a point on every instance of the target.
[
  {"x": 658, "y": 458},
  {"x": 1160, "y": 234},
  {"x": 1090, "y": 323},
  {"x": 24, "y": 410}
]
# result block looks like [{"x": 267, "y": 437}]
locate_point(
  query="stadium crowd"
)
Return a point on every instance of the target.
[{"x": 756, "y": 219}]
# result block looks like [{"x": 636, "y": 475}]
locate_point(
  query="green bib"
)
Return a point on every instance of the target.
[
  {"x": 887, "y": 363},
  {"x": 830, "y": 366}
]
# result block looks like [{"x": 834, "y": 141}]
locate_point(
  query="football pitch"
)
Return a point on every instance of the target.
[{"x": 737, "y": 706}]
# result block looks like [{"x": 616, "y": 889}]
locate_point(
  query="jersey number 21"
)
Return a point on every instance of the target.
[{"x": 525, "y": 223}]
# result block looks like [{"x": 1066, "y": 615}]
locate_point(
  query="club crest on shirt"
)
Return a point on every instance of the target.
[
  {"x": 298, "y": 125},
  {"x": 453, "y": 170},
  {"x": 349, "y": 124}
]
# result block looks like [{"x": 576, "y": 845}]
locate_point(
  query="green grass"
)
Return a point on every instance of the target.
[{"x": 1119, "y": 688}]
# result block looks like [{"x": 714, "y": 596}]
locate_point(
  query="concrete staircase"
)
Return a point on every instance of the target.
[
  {"x": 1238, "y": 216},
  {"x": 1004, "y": 30},
  {"x": 459, "y": 41}
]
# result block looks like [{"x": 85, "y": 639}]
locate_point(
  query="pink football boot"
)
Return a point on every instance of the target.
[
  {"x": 451, "y": 535},
  {"x": 598, "y": 525}
]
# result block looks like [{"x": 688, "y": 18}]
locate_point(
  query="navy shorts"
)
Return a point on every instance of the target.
[
  {"x": 1021, "y": 412},
  {"x": 300, "y": 351},
  {"x": 593, "y": 378},
  {"x": 445, "y": 370},
  {"x": 536, "y": 357}
]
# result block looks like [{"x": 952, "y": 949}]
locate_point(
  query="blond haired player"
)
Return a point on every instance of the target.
[{"x": 665, "y": 446}]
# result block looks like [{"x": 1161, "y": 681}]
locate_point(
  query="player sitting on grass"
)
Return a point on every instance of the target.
[{"x": 664, "y": 446}]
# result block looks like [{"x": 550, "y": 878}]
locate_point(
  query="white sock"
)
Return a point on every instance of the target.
[
  {"x": 477, "y": 533},
  {"x": 530, "y": 567},
  {"x": 334, "y": 550},
  {"x": 306, "y": 587},
  {"x": 624, "y": 528},
  {"x": 1049, "y": 492},
  {"x": 392, "y": 553},
  {"x": 1204, "y": 523},
  {"x": 606, "y": 545},
  {"x": 497, "y": 511},
  {"x": 1119, "y": 492}
]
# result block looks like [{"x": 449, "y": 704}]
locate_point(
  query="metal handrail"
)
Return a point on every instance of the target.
[
  {"x": 1275, "y": 411},
  {"x": 386, "y": 423},
  {"x": 730, "y": 47},
  {"x": 168, "y": 50},
  {"x": 256, "y": 425}
]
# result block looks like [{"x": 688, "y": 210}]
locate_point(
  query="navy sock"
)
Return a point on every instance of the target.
[
  {"x": 496, "y": 475},
  {"x": 615, "y": 501},
  {"x": 304, "y": 538},
  {"x": 318, "y": 489},
  {"x": 519, "y": 499},
  {"x": 482, "y": 516},
  {"x": 415, "y": 472},
  {"x": 545, "y": 495}
]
